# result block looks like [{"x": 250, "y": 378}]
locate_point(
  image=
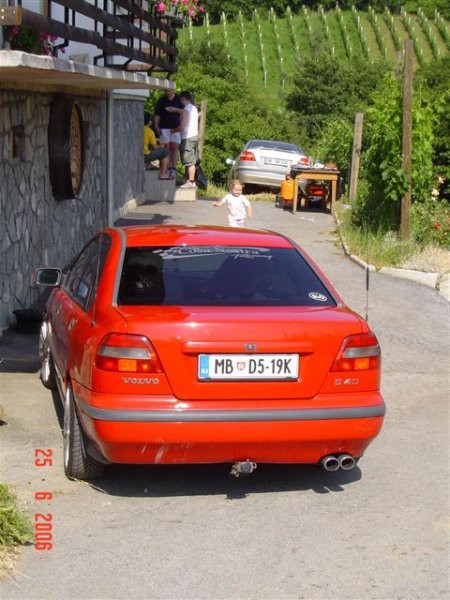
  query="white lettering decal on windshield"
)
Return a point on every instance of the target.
[{"x": 188, "y": 251}]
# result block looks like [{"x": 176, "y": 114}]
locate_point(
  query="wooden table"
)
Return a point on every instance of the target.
[{"x": 316, "y": 175}]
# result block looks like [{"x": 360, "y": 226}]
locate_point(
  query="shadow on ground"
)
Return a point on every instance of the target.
[
  {"x": 144, "y": 215},
  {"x": 156, "y": 481},
  {"x": 19, "y": 352}
]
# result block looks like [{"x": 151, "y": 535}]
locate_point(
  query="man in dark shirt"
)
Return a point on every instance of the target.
[{"x": 168, "y": 126}]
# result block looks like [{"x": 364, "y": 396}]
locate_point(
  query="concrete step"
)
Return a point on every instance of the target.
[
  {"x": 157, "y": 190},
  {"x": 185, "y": 195}
]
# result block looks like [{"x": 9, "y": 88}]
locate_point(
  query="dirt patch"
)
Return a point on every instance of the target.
[
  {"x": 8, "y": 556},
  {"x": 432, "y": 259}
]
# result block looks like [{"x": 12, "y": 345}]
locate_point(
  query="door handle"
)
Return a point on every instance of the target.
[{"x": 71, "y": 324}]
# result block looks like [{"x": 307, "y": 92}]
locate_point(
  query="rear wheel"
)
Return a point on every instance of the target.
[
  {"x": 47, "y": 371},
  {"x": 77, "y": 462}
]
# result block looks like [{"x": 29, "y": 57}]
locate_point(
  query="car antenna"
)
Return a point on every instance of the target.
[
  {"x": 367, "y": 275},
  {"x": 94, "y": 312}
]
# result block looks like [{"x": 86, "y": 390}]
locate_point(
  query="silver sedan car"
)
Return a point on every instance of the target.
[{"x": 266, "y": 162}]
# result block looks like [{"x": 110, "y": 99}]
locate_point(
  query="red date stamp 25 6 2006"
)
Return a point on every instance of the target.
[{"x": 43, "y": 522}]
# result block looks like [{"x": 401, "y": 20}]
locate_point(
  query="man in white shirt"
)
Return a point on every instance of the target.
[{"x": 189, "y": 137}]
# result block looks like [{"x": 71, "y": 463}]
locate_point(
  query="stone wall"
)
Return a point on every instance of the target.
[
  {"x": 35, "y": 229},
  {"x": 128, "y": 151}
]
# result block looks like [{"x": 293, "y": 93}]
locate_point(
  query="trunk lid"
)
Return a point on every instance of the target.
[{"x": 180, "y": 334}]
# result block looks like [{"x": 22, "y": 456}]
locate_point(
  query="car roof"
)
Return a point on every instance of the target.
[{"x": 200, "y": 235}]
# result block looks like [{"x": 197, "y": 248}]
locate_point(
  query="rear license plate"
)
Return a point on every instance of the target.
[
  {"x": 276, "y": 161},
  {"x": 248, "y": 366}
]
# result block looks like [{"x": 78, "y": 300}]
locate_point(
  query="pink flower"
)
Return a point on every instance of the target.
[
  {"x": 191, "y": 13},
  {"x": 184, "y": 1},
  {"x": 160, "y": 7},
  {"x": 63, "y": 50},
  {"x": 53, "y": 38},
  {"x": 201, "y": 9}
]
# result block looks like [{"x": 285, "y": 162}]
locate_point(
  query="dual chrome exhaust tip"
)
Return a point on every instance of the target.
[
  {"x": 332, "y": 462},
  {"x": 340, "y": 461}
]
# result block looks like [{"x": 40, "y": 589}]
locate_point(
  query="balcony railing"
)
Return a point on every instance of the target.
[{"x": 127, "y": 34}]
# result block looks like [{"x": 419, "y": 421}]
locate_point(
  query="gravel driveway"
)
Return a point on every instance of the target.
[{"x": 379, "y": 532}]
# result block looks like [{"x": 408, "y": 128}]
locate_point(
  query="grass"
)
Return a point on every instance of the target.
[
  {"x": 382, "y": 249},
  {"x": 15, "y": 526},
  {"x": 307, "y": 44},
  {"x": 376, "y": 248}
]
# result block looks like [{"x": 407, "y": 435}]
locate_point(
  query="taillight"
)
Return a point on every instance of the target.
[
  {"x": 127, "y": 353},
  {"x": 247, "y": 156},
  {"x": 304, "y": 160},
  {"x": 359, "y": 352},
  {"x": 316, "y": 190}
]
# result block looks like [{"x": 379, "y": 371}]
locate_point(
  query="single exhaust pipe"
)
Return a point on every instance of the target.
[
  {"x": 244, "y": 467},
  {"x": 330, "y": 463},
  {"x": 346, "y": 462}
]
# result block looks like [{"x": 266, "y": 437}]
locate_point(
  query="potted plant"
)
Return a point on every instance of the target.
[
  {"x": 29, "y": 40},
  {"x": 179, "y": 8}
]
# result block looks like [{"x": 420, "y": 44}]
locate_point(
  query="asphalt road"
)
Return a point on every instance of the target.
[{"x": 379, "y": 532}]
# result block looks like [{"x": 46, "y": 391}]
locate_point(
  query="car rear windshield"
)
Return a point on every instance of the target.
[
  {"x": 220, "y": 276},
  {"x": 275, "y": 146}
]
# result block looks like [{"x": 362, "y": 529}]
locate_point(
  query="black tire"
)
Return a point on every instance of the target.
[
  {"x": 78, "y": 464},
  {"x": 47, "y": 372}
]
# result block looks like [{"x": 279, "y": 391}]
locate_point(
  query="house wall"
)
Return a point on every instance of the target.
[
  {"x": 128, "y": 151},
  {"x": 35, "y": 229}
]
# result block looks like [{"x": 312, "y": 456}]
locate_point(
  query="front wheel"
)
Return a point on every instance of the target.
[
  {"x": 77, "y": 462},
  {"x": 47, "y": 372}
]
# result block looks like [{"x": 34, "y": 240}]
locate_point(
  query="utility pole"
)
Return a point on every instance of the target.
[
  {"x": 405, "y": 207},
  {"x": 357, "y": 138}
]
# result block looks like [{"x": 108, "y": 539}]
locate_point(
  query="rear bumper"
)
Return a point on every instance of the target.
[
  {"x": 259, "y": 177},
  {"x": 177, "y": 435}
]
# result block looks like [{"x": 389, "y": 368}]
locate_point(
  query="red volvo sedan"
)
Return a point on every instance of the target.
[{"x": 176, "y": 344}]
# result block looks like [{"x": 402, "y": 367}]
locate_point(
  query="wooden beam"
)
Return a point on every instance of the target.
[
  {"x": 115, "y": 22},
  {"x": 357, "y": 138},
  {"x": 40, "y": 23},
  {"x": 202, "y": 128},
  {"x": 10, "y": 15},
  {"x": 137, "y": 11}
]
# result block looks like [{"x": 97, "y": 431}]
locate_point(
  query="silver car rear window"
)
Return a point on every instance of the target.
[{"x": 272, "y": 145}]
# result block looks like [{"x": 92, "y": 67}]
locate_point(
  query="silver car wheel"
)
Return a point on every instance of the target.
[{"x": 66, "y": 427}]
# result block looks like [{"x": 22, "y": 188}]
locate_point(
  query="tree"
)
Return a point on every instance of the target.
[
  {"x": 235, "y": 113},
  {"x": 326, "y": 89}
]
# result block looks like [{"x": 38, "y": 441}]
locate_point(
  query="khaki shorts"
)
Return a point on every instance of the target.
[{"x": 189, "y": 151}]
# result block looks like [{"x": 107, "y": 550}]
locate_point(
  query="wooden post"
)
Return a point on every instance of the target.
[
  {"x": 295, "y": 199},
  {"x": 202, "y": 128},
  {"x": 354, "y": 173},
  {"x": 405, "y": 207}
]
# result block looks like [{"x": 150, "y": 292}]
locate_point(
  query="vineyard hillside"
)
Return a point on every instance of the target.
[{"x": 267, "y": 48}]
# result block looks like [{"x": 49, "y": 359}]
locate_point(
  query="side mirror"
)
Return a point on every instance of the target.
[
  {"x": 229, "y": 161},
  {"x": 48, "y": 277}
]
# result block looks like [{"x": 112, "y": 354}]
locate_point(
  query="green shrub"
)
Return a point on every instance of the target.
[
  {"x": 15, "y": 527},
  {"x": 382, "y": 162},
  {"x": 431, "y": 222}
]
